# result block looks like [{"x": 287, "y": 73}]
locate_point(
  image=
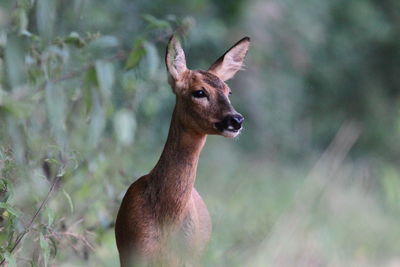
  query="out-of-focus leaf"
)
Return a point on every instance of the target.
[
  {"x": 50, "y": 216},
  {"x": 129, "y": 81},
  {"x": 15, "y": 65},
  {"x": 44, "y": 244},
  {"x": 2, "y": 96},
  {"x": 12, "y": 210},
  {"x": 90, "y": 81},
  {"x": 26, "y": 4},
  {"x": 135, "y": 55},
  {"x": 152, "y": 58},
  {"x": 56, "y": 110},
  {"x": 10, "y": 260},
  {"x": 3, "y": 38},
  {"x": 53, "y": 161},
  {"x": 17, "y": 108},
  {"x": 150, "y": 106},
  {"x": 125, "y": 126},
  {"x": 17, "y": 138},
  {"x": 45, "y": 17},
  {"x": 75, "y": 39},
  {"x": 3, "y": 239},
  {"x": 105, "y": 77},
  {"x": 71, "y": 205},
  {"x": 391, "y": 186},
  {"x": 23, "y": 21},
  {"x": 3, "y": 185},
  {"x": 155, "y": 22},
  {"x": 97, "y": 119},
  {"x": 106, "y": 41}
]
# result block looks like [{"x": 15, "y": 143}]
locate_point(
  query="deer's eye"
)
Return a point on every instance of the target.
[{"x": 199, "y": 94}]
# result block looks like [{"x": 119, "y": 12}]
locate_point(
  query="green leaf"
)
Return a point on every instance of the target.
[
  {"x": 75, "y": 39},
  {"x": 53, "y": 161},
  {"x": 10, "y": 260},
  {"x": 45, "y": 17},
  {"x": 391, "y": 185},
  {"x": 105, "y": 41},
  {"x": 152, "y": 58},
  {"x": 12, "y": 210},
  {"x": 129, "y": 81},
  {"x": 97, "y": 119},
  {"x": 44, "y": 244},
  {"x": 3, "y": 185},
  {"x": 155, "y": 22},
  {"x": 56, "y": 110},
  {"x": 135, "y": 55},
  {"x": 23, "y": 21},
  {"x": 26, "y": 4},
  {"x": 90, "y": 81},
  {"x": 16, "y": 133},
  {"x": 71, "y": 205},
  {"x": 3, "y": 42},
  {"x": 125, "y": 126},
  {"x": 105, "y": 76},
  {"x": 14, "y": 61},
  {"x": 17, "y": 108},
  {"x": 50, "y": 216}
]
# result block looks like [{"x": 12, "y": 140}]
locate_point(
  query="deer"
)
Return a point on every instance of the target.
[{"x": 162, "y": 219}]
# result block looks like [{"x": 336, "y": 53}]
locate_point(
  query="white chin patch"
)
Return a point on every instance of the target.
[{"x": 230, "y": 134}]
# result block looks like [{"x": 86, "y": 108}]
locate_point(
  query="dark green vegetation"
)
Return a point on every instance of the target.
[{"x": 85, "y": 108}]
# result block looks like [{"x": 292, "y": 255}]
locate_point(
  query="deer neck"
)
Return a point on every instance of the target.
[{"x": 172, "y": 179}]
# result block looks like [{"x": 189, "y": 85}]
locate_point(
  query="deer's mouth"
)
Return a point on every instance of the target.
[
  {"x": 231, "y": 125},
  {"x": 221, "y": 127},
  {"x": 227, "y": 131}
]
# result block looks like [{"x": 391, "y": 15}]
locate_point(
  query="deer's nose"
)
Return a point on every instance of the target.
[{"x": 233, "y": 122}]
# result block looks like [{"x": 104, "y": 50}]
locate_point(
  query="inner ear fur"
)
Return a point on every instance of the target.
[
  {"x": 175, "y": 59},
  {"x": 232, "y": 61}
]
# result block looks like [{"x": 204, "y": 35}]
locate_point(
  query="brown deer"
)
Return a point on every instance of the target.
[{"x": 163, "y": 219}]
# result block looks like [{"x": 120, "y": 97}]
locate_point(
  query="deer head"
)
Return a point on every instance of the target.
[{"x": 202, "y": 97}]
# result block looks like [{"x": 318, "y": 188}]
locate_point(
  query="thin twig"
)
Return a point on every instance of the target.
[{"x": 29, "y": 226}]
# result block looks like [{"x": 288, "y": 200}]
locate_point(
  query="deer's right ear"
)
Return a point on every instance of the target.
[{"x": 175, "y": 59}]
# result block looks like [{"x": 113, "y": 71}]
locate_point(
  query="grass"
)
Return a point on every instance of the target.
[{"x": 328, "y": 210}]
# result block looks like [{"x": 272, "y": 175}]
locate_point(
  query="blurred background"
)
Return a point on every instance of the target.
[{"x": 313, "y": 180}]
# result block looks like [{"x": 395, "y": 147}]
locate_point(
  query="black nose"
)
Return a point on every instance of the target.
[
  {"x": 236, "y": 121},
  {"x": 232, "y": 122}
]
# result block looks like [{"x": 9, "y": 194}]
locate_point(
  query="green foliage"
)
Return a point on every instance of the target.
[
  {"x": 58, "y": 108},
  {"x": 135, "y": 55}
]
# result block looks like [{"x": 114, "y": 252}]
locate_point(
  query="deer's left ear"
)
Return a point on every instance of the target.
[
  {"x": 175, "y": 59},
  {"x": 232, "y": 61}
]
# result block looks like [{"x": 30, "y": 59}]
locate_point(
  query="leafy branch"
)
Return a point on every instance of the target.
[{"x": 18, "y": 240}]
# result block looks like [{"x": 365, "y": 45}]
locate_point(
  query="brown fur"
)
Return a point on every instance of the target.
[
  {"x": 162, "y": 218},
  {"x": 211, "y": 79}
]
